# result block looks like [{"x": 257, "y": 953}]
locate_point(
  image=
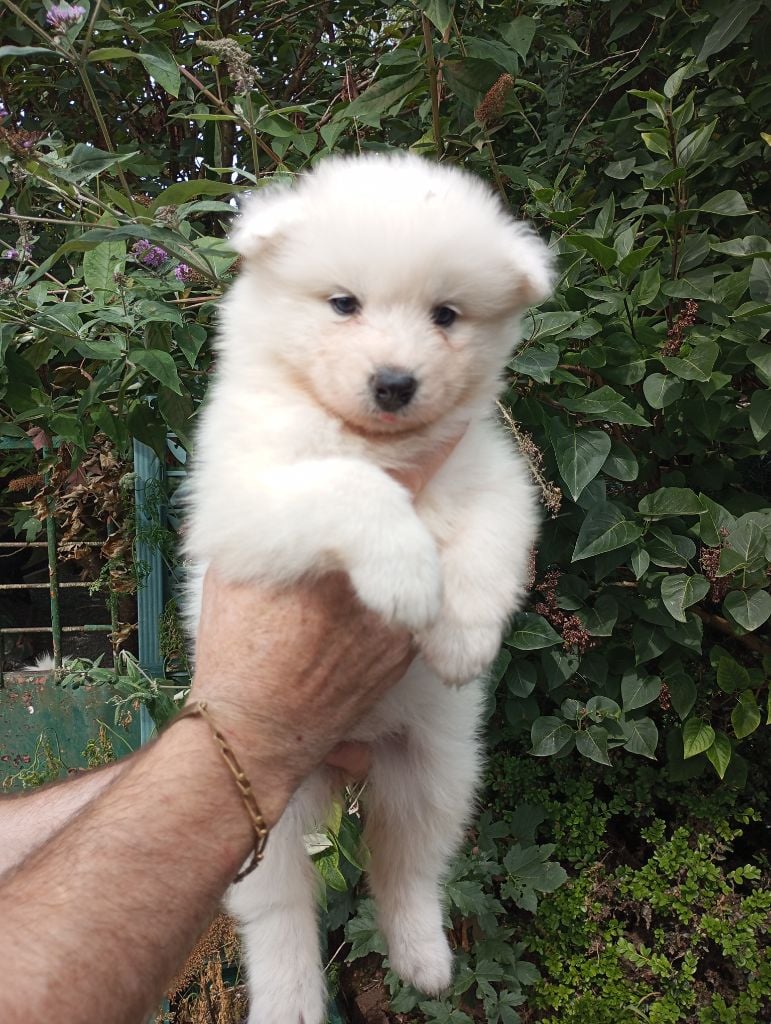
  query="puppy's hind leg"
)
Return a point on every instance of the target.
[
  {"x": 419, "y": 799},
  {"x": 276, "y": 909}
]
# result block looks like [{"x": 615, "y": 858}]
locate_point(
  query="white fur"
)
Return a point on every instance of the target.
[{"x": 290, "y": 480}]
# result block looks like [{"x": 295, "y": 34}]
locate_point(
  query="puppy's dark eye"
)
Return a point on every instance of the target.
[
  {"x": 444, "y": 316},
  {"x": 345, "y": 305}
]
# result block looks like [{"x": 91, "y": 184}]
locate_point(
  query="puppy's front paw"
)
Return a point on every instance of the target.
[
  {"x": 402, "y": 577},
  {"x": 459, "y": 653},
  {"x": 423, "y": 962}
]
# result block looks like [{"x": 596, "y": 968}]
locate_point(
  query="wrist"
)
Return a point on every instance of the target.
[{"x": 244, "y": 757}]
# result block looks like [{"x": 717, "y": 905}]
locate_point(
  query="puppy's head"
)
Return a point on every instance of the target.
[{"x": 389, "y": 287}]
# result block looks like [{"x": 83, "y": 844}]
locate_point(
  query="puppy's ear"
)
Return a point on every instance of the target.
[
  {"x": 532, "y": 266},
  {"x": 265, "y": 218}
]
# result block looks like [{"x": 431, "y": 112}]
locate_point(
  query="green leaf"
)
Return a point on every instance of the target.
[
  {"x": 671, "y": 501},
  {"x": 382, "y": 97},
  {"x": 547, "y": 325},
  {"x": 604, "y": 529},
  {"x": 604, "y": 254},
  {"x": 674, "y": 83},
  {"x": 640, "y": 562},
  {"x": 521, "y": 677},
  {"x": 698, "y": 736},
  {"x": 670, "y": 550},
  {"x": 680, "y": 592},
  {"x": 760, "y": 414},
  {"x": 719, "y": 753},
  {"x": 159, "y": 62},
  {"x": 637, "y": 257},
  {"x": 715, "y": 519},
  {"x": 731, "y": 676},
  {"x": 23, "y": 51},
  {"x": 726, "y": 204},
  {"x": 159, "y": 365},
  {"x": 727, "y": 28},
  {"x": 682, "y": 691},
  {"x": 601, "y": 619},
  {"x": 537, "y": 363},
  {"x": 696, "y": 364},
  {"x": 661, "y": 391},
  {"x": 87, "y": 161},
  {"x": 642, "y": 737},
  {"x": 599, "y": 709},
  {"x": 621, "y": 169},
  {"x": 530, "y": 632},
  {"x": 593, "y": 743},
  {"x": 519, "y": 34},
  {"x": 580, "y": 454},
  {"x": 745, "y": 717},
  {"x": 638, "y": 691},
  {"x": 549, "y": 735},
  {"x": 100, "y": 264},
  {"x": 605, "y": 404},
  {"x": 692, "y": 146},
  {"x": 749, "y": 608},
  {"x": 110, "y": 53},
  {"x": 760, "y": 281},
  {"x": 439, "y": 13},
  {"x": 621, "y": 463}
]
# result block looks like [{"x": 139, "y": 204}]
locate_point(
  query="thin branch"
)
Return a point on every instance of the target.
[
  {"x": 433, "y": 85},
  {"x": 722, "y": 625}
]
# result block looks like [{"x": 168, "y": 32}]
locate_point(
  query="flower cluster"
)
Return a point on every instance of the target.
[
  {"x": 709, "y": 559},
  {"x": 242, "y": 74},
  {"x": 21, "y": 253},
  {"x": 676, "y": 333},
  {"x": 573, "y": 631},
  {"x": 183, "y": 272},
  {"x": 20, "y": 142},
  {"x": 63, "y": 16},
  {"x": 152, "y": 256}
]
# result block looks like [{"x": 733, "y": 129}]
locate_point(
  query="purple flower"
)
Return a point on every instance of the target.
[
  {"x": 3, "y": 109},
  {"x": 182, "y": 272},
  {"x": 148, "y": 255},
  {"x": 63, "y": 15},
  {"x": 22, "y": 253}
]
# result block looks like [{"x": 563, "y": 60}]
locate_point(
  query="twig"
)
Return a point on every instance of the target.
[
  {"x": 600, "y": 94},
  {"x": 433, "y": 85},
  {"x": 722, "y": 625}
]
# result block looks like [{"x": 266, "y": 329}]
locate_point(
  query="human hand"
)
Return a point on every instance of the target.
[{"x": 288, "y": 672}]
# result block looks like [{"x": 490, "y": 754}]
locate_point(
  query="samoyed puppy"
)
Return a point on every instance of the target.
[{"x": 379, "y": 299}]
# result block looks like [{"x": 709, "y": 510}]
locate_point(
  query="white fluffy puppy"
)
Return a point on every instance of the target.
[{"x": 378, "y": 303}]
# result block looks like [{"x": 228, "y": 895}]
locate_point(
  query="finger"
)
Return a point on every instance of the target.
[{"x": 354, "y": 759}]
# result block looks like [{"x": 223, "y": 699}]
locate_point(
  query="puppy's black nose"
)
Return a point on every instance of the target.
[{"x": 392, "y": 388}]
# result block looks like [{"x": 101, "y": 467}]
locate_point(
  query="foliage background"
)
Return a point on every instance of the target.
[{"x": 635, "y": 136}]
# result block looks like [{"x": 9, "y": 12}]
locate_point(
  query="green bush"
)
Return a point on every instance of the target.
[{"x": 635, "y": 136}]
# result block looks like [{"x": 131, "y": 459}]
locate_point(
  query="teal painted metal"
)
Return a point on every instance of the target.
[
  {"x": 53, "y": 582},
  {"x": 148, "y": 477}
]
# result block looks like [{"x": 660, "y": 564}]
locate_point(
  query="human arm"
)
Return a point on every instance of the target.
[{"x": 104, "y": 915}]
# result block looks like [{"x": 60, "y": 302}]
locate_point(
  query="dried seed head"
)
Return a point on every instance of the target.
[
  {"x": 676, "y": 333},
  {"x": 243, "y": 76},
  {"x": 490, "y": 109}
]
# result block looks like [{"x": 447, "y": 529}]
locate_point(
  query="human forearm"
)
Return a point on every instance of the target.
[
  {"x": 29, "y": 820},
  {"x": 129, "y": 884}
]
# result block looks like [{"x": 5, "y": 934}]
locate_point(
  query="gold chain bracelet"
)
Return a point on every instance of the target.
[{"x": 199, "y": 708}]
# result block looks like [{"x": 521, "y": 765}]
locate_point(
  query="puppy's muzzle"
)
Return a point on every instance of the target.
[{"x": 392, "y": 388}]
